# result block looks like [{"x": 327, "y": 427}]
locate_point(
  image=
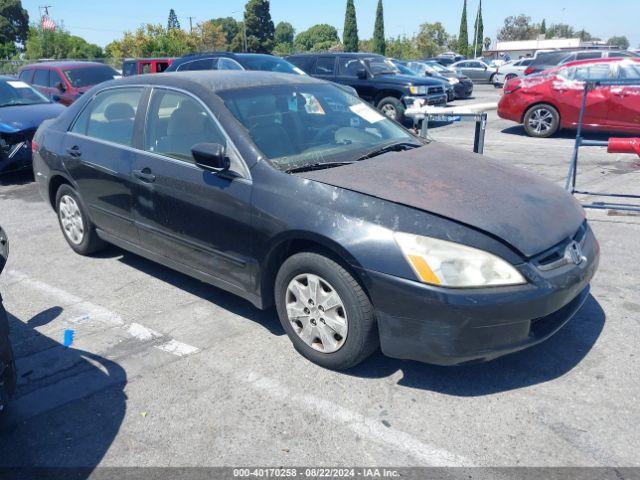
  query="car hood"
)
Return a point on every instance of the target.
[
  {"x": 27, "y": 117},
  {"x": 522, "y": 209},
  {"x": 401, "y": 79}
]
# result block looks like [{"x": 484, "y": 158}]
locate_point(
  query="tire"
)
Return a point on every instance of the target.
[
  {"x": 492, "y": 78},
  {"x": 392, "y": 108},
  {"x": 541, "y": 121},
  {"x": 77, "y": 228},
  {"x": 353, "y": 332}
]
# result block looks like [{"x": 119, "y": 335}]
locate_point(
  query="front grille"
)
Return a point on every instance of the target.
[
  {"x": 435, "y": 90},
  {"x": 555, "y": 256}
]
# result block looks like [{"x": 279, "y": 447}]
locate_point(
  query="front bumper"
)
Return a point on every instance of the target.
[
  {"x": 446, "y": 326},
  {"x": 463, "y": 89},
  {"x": 437, "y": 99}
]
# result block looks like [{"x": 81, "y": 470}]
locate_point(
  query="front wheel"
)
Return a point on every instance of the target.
[
  {"x": 326, "y": 314},
  {"x": 77, "y": 228},
  {"x": 392, "y": 108},
  {"x": 542, "y": 121}
]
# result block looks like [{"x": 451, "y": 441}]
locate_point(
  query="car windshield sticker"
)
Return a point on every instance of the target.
[
  {"x": 366, "y": 113},
  {"x": 17, "y": 84},
  {"x": 312, "y": 106}
]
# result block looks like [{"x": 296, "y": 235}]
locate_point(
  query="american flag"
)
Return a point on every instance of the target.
[{"x": 47, "y": 23}]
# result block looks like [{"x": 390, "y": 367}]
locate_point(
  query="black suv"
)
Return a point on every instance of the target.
[{"x": 376, "y": 79}]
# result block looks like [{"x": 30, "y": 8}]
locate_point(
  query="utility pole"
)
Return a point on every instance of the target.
[
  {"x": 475, "y": 37},
  {"x": 45, "y": 9},
  {"x": 191, "y": 24}
]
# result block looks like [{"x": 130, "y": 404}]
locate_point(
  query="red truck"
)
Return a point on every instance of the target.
[{"x": 140, "y": 66}]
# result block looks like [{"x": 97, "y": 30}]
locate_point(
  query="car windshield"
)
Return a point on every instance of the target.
[
  {"x": 269, "y": 64},
  {"x": 88, "y": 76},
  {"x": 16, "y": 92},
  {"x": 304, "y": 125},
  {"x": 406, "y": 70},
  {"x": 380, "y": 66},
  {"x": 437, "y": 67}
]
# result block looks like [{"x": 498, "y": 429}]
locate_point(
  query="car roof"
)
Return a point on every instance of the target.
[
  {"x": 216, "y": 80},
  {"x": 599, "y": 60},
  {"x": 71, "y": 64},
  {"x": 335, "y": 54}
]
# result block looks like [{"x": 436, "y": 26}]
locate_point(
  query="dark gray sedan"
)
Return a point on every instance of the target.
[{"x": 288, "y": 191}]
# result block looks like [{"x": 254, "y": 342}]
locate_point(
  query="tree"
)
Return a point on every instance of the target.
[
  {"x": 259, "y": 26},
  {"x": 621, "y": 42},
  {"x": 14, "y": 26},
  {"x": 517, "y": 28},
  {"x": 317, "y": 37},
  {"x": 230, "y": 28},
  {"x": 350, "y": 34},
  {"x": 463, "y": 36},
  {"x": 543, "y": 27},
  {"x": 58, "y": 44},
  {"x": 379, "y": 44},
  {"x": 402, "y": 48},
  {"x": 432, "y": 39},
  {"x": 478, "y": 32},
  {"x": 284, "y": 35},
  {"x": 173, "y": 23}
]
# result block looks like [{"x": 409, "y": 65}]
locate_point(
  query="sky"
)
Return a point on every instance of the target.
[{"x": 103, "y": 21}]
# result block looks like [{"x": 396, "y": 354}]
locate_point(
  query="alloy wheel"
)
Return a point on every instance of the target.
[
  {"x": 316, "y": 313},
  {"x": 541, "y": 120},
  {"x": 71, "y": 219},
  {"x": 389, "y": 111}
]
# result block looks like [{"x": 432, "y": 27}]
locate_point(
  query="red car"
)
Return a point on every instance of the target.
[
  {"x": 550, "y": 101},
  {"x": 141, "y": 66},
  {"x": 64, "y": 82}
]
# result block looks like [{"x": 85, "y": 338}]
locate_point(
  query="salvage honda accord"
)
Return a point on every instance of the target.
[{"x": 287, "y": 190}]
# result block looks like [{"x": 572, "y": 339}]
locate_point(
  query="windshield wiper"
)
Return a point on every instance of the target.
[
  {"x": 394, "y": 147},
  {"x": 315, "y": 166}
]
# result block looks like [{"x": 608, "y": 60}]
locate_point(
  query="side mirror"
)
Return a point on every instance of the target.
[
  {"x": 361, "y": 74},
  {"x": 4, "y": 249},
  {"x": 60, "y": 86},
  {"x": 211, "y": 156}
]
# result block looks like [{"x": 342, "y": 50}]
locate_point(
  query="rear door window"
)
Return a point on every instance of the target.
[
  {"x": 326, "y": 66},
  {"x": 598, "y": 71},
  {"x": 41, "y": 78},
  {"x": 110, "y": 116},
  {"x": 349, "y": 66},
  {"x": 202, "y": 64},
  {"x": 228, "y": 64},
  {"x": 25, "y": 75},
  {"x": 55, "y": 79},
  {"x": 588, "y": 55}
]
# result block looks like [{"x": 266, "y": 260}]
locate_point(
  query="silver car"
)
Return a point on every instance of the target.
[{"x": 476, "y": 70}]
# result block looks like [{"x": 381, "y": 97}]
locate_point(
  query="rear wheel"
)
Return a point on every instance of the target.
[
  {"x": 392, "y": 108},
  {"x": 77, "y": 228},
  {"x": 324, "y": 311},
  {"x": 541, "y": 121}
]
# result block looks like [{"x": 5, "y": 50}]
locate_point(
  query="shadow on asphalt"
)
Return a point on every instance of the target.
[
  {"x": 266, "y": 318},
  {"x": 68, "y": 406},
  {"x": 21, "y": 177},
  {"x": 542, "y": 363}
]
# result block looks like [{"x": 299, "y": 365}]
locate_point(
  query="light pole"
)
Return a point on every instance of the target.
[{"x": 244, "y": 29}]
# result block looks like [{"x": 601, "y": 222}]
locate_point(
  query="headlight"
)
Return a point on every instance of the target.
[
  {"x": 454, "y": 81},
  {"x": 447, "y": 264},
  {"x": 421, "y": 90}
]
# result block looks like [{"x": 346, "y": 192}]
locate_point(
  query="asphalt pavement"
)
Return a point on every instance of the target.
[{"x": 167, "y": 371}]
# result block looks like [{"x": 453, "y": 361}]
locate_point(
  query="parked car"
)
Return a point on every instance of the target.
[
  {"x": 7, "y": 363},
  {"x": 232, "y": 61},
  {"x": 551, "y": 101},
  {"x": 549, "y": 59},
  {"x": 376, "y": 79},
  {"x": 285, "y": 190},
  {"x": 240, "y": 61},
  {"x": 446, "y": 59},
  {"x": 476, "y": 70},
  {"x": 462, "y": 85},
  {"x": 141, "y": 66},
  {"x": 64, "y": 82},
  {"x": 511, "y": 70},
  {"x": 22, "y": 110},
  {"x": 405, "y": 70}
]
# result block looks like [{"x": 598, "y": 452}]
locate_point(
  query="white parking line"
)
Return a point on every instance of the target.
[
  {"x": 91, "y": 311},
  {"x": 366, "y": 427}
]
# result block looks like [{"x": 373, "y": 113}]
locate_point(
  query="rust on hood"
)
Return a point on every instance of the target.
[{"x": 522, "y": 209}]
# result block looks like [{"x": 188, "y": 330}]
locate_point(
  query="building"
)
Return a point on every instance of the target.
[{"x": 528, "y": 48}]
